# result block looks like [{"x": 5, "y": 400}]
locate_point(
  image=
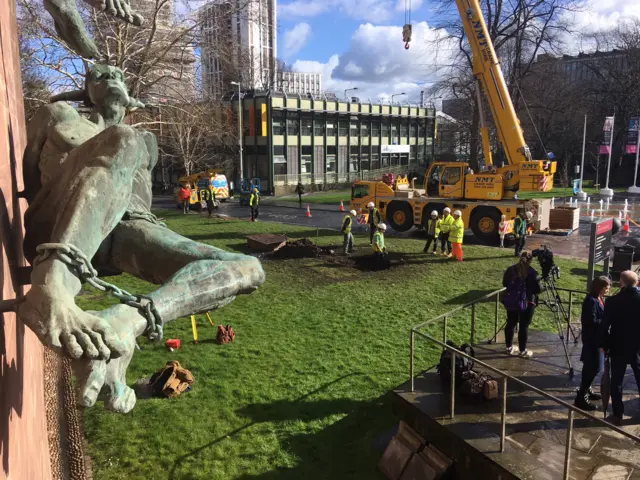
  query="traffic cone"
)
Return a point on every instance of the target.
[
  {"x": 308, "y": 212},
  {"x": 626, "y": 224},
  {"x": 341, "y": 206}
]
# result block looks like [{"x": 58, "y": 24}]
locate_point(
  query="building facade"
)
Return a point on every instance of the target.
[
  {"x": 238, "y": 43},
  {"x": 584, "y": 67},
  {"x": 300, "y": 83},
  {"x": 288, "y": 139}
]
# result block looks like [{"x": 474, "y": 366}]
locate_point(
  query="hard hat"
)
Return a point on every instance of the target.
[
  {"x": 434, "y": 213},
  {"x": 529, "y": 215},
  {"x": 255, "y": 189},
  {"x": 458, "y": 212},
  {"x": 352, "y": 213},
  {"x": 382, "y": 226},
  {"x": 447, "y": 209},
  {"x": 371, "y": 205}
]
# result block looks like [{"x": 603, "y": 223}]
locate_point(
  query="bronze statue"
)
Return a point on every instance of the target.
[{"x": 88, "y": 184}]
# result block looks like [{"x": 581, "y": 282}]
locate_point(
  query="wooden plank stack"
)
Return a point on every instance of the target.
[{"x": 564, "y": 218}]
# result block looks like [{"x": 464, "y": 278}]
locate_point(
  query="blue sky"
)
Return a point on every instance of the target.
[{"x": 359, "y": 42}]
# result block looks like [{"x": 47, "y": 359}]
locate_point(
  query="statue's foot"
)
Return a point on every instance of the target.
[
  {"x": 99, "y": 380},
  {"x": 60, "y": 324}
]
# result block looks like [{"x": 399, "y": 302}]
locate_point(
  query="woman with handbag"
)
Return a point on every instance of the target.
[{"x": 520, "y": 298}]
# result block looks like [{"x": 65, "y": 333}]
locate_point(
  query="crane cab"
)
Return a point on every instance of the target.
[{"x": 454, "y": 180}]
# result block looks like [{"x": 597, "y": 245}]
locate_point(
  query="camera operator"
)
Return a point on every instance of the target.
[{"x": 520, "y": 298}]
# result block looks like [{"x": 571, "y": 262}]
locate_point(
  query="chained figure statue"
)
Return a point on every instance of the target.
[{"x": 88, "y": 185}]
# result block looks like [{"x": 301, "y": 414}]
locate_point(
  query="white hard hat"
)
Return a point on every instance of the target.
[
  {"x": 447, "y": 209},
  {"x": 529, "y": 215},
  {"x": 352, "y": 213},
  {"x": 382, "y": 226},
  {"x": 371, "y": 205},
  {"x": 434, "y": 213},
  {"x": 458, "y": 212}
]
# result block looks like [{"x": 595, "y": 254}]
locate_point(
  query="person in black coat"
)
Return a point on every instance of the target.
[
  {"x": 592, "y": 356},
  {"x": 521, "y": 317},
  {"x": 622, "y": 338}
]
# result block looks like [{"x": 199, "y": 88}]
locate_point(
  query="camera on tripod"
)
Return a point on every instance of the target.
[{"x": 548, "y": 265}]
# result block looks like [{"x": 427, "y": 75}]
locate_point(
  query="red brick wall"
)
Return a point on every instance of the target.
[{"x": 24, "y": 450}]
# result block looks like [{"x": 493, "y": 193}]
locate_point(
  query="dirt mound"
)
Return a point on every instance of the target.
[
  {"x": 303, "y": 248},
  {"x": 366, "y": 262}
]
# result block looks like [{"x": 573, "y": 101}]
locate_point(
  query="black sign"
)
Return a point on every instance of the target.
[{"x": 599, "y": 246}]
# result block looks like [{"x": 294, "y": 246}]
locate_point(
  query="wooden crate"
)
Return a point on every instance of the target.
[{"x": 564, "y": 218}]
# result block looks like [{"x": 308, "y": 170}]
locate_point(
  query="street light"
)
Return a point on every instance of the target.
[
  {"x": 349, "y": 90},
  {"x": 396, "y": 95},
  {"x": 239, "y": 127}
]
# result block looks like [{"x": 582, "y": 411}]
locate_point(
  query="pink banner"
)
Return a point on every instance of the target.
[
  {"x": 630, "y": 149},
  {"x": 604, "y": 149}
]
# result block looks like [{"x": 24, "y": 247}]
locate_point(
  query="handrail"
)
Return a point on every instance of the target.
[{"x": 505, "y": 376}]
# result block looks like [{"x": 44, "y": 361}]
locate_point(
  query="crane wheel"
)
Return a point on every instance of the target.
[
  {"x": 400, "y": 216},
  {"x": 484, "y": 224}
]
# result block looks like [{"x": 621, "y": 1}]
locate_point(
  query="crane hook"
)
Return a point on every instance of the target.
[{"x": 406, "y": 46}]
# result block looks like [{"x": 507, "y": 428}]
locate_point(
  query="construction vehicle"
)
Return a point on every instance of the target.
[
  {"x": 481, "y": 197},
  {"x": 212, "y": 179}
]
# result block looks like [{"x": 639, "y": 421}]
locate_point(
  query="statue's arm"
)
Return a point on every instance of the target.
[{"x": 71, "y": 28}]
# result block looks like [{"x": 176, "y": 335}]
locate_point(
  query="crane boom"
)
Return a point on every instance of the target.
[{"x": 486, "y": 69}]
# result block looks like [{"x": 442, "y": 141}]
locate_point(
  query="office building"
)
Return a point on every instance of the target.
[
  {"x": 318, "y": 142},
  {"x": 300, "y": 83},
  {"x": 584, "y": 66},
  {"x": 238, "y": 43}
]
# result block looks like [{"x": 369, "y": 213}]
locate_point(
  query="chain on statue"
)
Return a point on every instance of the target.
[
  {"x": 141, "y": 215},
  {"x": 74, "y": 257}
]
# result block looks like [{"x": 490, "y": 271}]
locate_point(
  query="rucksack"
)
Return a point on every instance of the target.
[
  {"x": 171, "y": 380},
  {"x": 462, "y": 364},
  {"x": 515, "y": 296},
  {"x": 225, "y": 334}
]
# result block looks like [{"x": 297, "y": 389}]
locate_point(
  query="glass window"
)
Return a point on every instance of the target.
[
  {"x": 404, "y": 130},
  {"x": 375, "y": 161},
  {"x": 292, "y": 126},
  {"x": 375, "y": 129},
  {"x": 343, "y": 128},
  {"x": 354, "y": 128},
  {"x": 354, "y": 150},
  {"x": 278, "y": 150},
  {"x": 353, "y": 160},
  {"x": 359, "y": 191},
  {"x": 305, "y": 126},
  {"x": 331, "y": 163},
  {"x": 318, "y": 127},
  {"x": 307, "y": 150},
  {"x": 278, "y": 123},
  {"x": 413, "y": 129},
  {"x": 364, "y": 162},
  {"x": 364, "y": 129},
  {"x": 385, "y": 129},
  {"x": 451, "y": 175},
  {"x": 305, "y": 166},
  {"x": 279, "y": 165},
  {"x": 331, "y": 128},
  {"x": 331, "y": 150}
]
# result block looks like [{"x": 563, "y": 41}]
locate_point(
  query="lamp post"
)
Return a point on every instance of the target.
[
  {"x": 349, "y": 90},
  {"x": 396, "y": 95},
  {"x": 240, "y": 171},
  {"x": 581, "y": 194}
]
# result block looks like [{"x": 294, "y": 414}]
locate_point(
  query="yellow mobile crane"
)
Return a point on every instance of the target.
[{"x": 482, "y": 197}]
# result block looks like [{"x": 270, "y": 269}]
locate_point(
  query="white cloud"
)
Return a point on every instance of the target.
[
  {"x": 377, "y": 63},
  {"x": 293, "y": 40},
  {"x": 369, "y": 10}
]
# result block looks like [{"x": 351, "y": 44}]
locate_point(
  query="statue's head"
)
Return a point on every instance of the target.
[{"x": 105, "y": 86}]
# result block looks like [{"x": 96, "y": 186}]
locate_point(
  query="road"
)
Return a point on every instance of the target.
[{"x": 575, "y": 245}]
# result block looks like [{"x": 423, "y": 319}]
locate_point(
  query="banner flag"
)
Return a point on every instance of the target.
[
  {"x": 605, "y": 146},
  {"x": 632, "y": 135}
]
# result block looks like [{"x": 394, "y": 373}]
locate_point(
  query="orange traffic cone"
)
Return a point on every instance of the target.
[
  {"x": 308, "y": 212},
  {"x": 341, "y": 206},
  {"x": 626, "y": 224}
]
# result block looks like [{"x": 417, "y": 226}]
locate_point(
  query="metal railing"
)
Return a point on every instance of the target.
[{"x": 504, "y": 376}]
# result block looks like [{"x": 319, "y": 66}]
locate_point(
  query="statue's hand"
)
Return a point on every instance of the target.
[
  {"x": 63, "y": 326},
  {"x": 117, "y": 8}
]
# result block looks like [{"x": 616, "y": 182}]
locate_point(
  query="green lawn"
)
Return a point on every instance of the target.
[
  {"x": 332, "y": 197},
  {"x": 304, "y": 390}
]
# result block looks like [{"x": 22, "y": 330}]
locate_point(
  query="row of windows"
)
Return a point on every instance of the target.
[
  {"x": 279, "y": 150},
  {"x": 306, "y": 126},
  {"x": 356, "y": 162}
]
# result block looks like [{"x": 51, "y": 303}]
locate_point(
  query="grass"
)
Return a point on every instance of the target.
[
  {"x": 303, "y": 392},
  {"x": 331, "y": 197}
]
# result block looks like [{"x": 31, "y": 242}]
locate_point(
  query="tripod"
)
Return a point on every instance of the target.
[{"x": 551, "y": 299}]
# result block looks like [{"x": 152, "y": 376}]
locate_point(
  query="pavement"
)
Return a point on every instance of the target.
[{"x": 575, "y": 245}]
